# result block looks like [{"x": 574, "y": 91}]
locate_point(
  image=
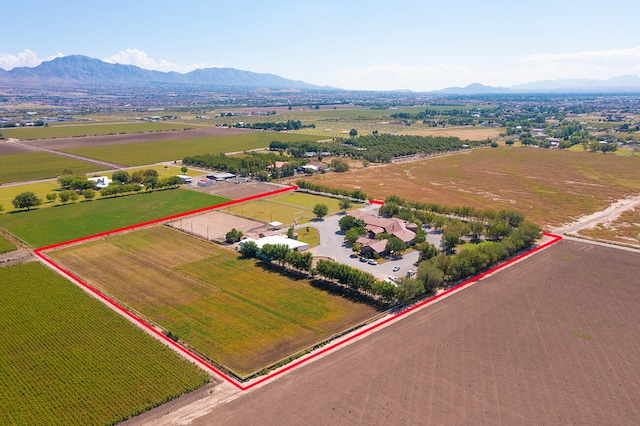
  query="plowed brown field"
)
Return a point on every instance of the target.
[{"x": 554, "y": 339}]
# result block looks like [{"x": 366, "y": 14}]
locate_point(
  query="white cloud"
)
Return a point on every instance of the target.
[
  {"x": 26, "y": 58},
  {"x": 143, "y": 60}
]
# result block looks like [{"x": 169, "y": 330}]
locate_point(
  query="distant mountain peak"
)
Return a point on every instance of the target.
[{"x": 80, "y": 70}]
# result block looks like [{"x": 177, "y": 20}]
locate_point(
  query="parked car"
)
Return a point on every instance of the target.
[
  {"x": 411, "y": 273},
  {"x": 372, "y": 262},
  {"x": 363, "y": 259},
  {"x": 393, "y": 278},
  {"x": 396, "y": 268}
]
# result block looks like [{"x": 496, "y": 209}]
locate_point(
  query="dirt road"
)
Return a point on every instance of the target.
[{"x": 608, "y": 215}]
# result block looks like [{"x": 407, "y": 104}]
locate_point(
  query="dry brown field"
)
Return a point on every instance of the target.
[
  {"x": 240, "y": 190},
  {"x": 214, "y": 225},
  {"x": 465, "y": 133},
  {"x": 550, "y": 187},
  {"x": 624, "y": 230},
  {"x": 554, "y": 339},
  {"x": 84, "y": 141}
]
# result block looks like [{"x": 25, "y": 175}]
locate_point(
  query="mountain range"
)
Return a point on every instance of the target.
[
  {"x": 82, "y": 71},
  {"x": 78, "y": 71}
]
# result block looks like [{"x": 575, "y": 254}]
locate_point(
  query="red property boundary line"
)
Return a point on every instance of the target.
[{"x": 40, "y": 253}]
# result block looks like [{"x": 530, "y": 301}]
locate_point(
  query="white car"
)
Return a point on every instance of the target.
[
  {"x": 396, "y": 268},
  {"x": 392, "y": 278},
  {"x": 372, "y": 262}
]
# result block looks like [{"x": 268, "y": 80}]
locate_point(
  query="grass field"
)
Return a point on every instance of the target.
[
  {"x": 66, "y": 359},
  {"x": 284, "y": 208},
  {"x": 41, "y": 189},
  {"x": 6, "y": 246},
  {"x": 234, "y": 311},
  {"x": 38, "y": 165},
  {"x": 137, "y": 154},
  {"x": 43, "y": 227},
  {"x": 550, "y": 187},
  {"x": 68, "y": 131}
]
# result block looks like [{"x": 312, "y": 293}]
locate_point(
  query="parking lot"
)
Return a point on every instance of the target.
[{"x": 332, "y": 246}]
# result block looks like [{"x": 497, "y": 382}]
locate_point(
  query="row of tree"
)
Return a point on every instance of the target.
[
  {"x": 356, "y": 194},
  {"x": 378, "y": 148}
]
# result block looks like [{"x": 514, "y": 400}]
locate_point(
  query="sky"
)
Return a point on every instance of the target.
[{"x": 349, "y": 44}]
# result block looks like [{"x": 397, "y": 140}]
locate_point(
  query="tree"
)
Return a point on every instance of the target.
[
  {"x": 476, "y": 228},
  {"x": 430, "y": 275},
  {"x": 353, "y": 234},
  {"x": 66, "y": 196},
  {"x": 89, "y": 194},
  {"x": 347, "y": 222},
  {"x": 421, "y": 235},
  {"x": 395, "y": 245},
  {"x": 345, "y": 204},
  {"x": 121, "y": 177},
  {"x": 52, "y": 197},
  {"x": 408, "y": 288},
  {"x": 184, "y": 169},
  {"x": 290, "y": 233},
  {"x": 248, "y": 248},
  {"x": 384, "y": 289},
  {"x": 427, "y": 250},
  {"x": 233, "y": 236},
  {"x": 353, "y": 133},
  {"x": 1, "y": 205},
  {"x": 26, "y": 200},
  {"x": 339, "y": 166},
  {"x": 320, "y": 210}
]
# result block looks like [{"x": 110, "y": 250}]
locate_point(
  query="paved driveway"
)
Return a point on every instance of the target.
[{"x": 332, "y": 245}]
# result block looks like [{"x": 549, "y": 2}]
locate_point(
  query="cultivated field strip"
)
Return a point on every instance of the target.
[
  {"x": 230, "y": 309},
  {"x": 68, "y": 360}
]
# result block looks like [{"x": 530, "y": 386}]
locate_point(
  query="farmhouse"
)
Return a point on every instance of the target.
[
  {"x": 377, "y": 225},
  {"x": 101, "y": 181},
  {"x": 279, "y": 239}
]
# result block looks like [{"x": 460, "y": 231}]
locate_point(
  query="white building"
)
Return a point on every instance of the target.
[{"x": 280, "y": 239}]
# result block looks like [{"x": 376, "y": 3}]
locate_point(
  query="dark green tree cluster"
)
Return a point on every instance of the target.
[
  {"x": 75, "y": 182},
  {"x": 280, "y": 254},
  {"x": 347, "y": 275},
  {"x": 233, "y": 236},
  {"x": 278, "y": 127},
  {"x": 250, "y": 164}
]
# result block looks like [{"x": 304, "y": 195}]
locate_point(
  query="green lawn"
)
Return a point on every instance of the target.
[
  {"x": 42, "y": 227},
  {"x": 68, "y": 131},
  {"x": 138, "y": 154},
  {"x": 6, "y": 246},
  {"x": 26, "y": 166},
  {"x": 66, "y": 359}
]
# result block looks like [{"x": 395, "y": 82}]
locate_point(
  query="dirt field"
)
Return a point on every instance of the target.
[
  {"x": 554, "y": 339},
  {"x": 63, "y": 143},
  {"x": 6, "y": 147},
  {"x": 239, "y": 190},
  {"x": 551, "y": 187},
  {"x": 214, "y": 225}
]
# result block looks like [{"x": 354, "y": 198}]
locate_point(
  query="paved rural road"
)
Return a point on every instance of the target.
[{"x": 537, "y": 343}]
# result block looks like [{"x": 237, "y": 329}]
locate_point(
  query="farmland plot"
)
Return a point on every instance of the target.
[
  {"x": 68, "y": 360},
  {"x": 232, "y": 310}
]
